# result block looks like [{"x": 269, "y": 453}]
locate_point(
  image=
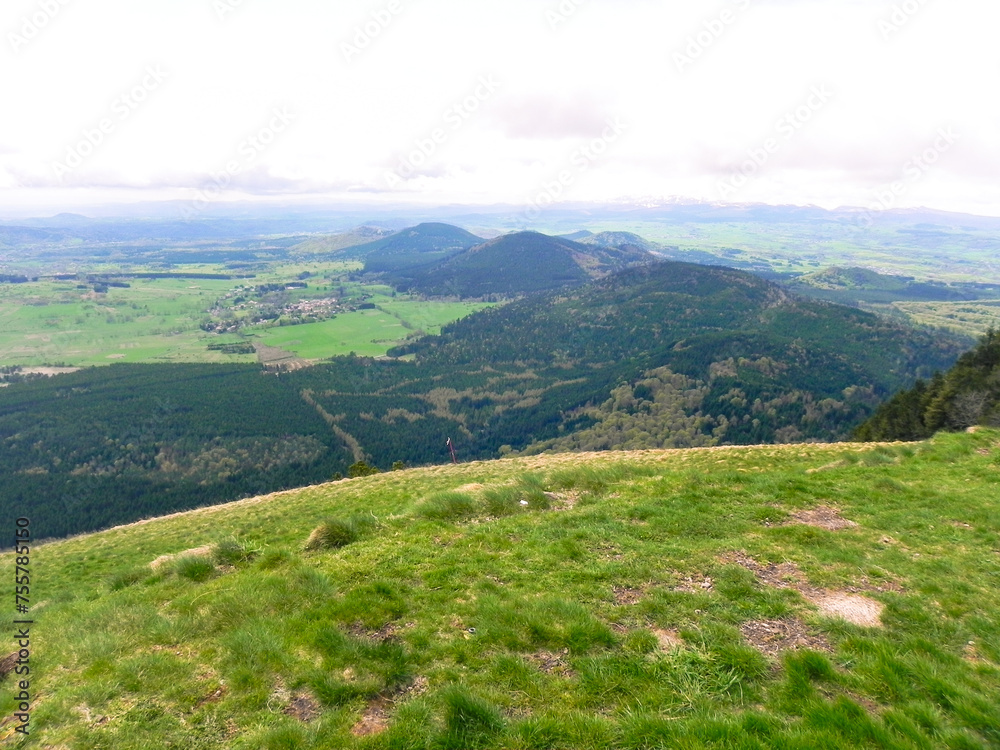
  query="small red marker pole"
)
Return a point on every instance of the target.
[{"x": 451, "y": 447}]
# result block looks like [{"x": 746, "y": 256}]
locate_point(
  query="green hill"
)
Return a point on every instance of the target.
[
  {"x": 417, "y": 246},
  {"x": 796, "y": 597},
  {"x": 334, "y": 244},
  {"x": 515, "y": 264},
  {"x": 620, "y": 240}
]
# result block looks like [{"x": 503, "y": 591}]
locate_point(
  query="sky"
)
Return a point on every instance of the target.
[{"x": 872, "y": 103}]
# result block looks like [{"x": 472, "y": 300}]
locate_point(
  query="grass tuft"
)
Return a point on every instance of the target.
[
  {"x": 447, "y": 506},
  {"x": 195, "y": 568},
  {"x": 332, "y": 534}
]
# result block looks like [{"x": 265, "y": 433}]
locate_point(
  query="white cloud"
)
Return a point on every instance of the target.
[{"x": 356, "y": 119}]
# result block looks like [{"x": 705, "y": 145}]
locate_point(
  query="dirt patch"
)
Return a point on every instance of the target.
[
  {"x": 779, "y": 576},
  {"x": 213, "y": 697},
  {"x": 625, "y": 596},
  {"x": 163, "y": 560},
  {"x": 388, "y": 632},
  {"x": 302, "y": 707},
  {"x": 375, "y": 718},
  {"x": 551, "y": 662},
  {"x": 771, "y": 637},
  {"x": 856, "y": 609},
  {"x": 848, "y": 605},
  {"x": 670, "y": 640},
  {"x": 695, "y": 585},
  {"x": 822, "y": 518}
]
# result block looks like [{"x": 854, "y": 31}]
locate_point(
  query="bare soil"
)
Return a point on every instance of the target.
[
  {"x": 848, "y": 605},
  {"x": 375, "y": 718},
  {"x": 822, "y": 518},
  {"x": 551, "y": 662},
  {"x": 771, "y": 637},
  {"x": 694, "y": 584},
  {"x": 625, "y": 595},
  {"x": 302, "y": 707},
  {"x": 669, "y": 639}
]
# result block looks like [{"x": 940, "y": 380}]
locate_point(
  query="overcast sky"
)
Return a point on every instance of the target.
[{"x": 875, "y": 103}]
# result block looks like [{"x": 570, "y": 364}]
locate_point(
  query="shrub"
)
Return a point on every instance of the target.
[{"x": 361, "y": 469}]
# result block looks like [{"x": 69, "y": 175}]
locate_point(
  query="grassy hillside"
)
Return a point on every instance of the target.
[{"x": 837, "y": 596}]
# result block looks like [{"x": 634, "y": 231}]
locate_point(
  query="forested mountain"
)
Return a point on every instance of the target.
[
  {"x": 419, "y": 245},
  {"x": 968, "y": 394},
  {"x": 517, "y": 263},
  {"x": 667, "y": 354}
]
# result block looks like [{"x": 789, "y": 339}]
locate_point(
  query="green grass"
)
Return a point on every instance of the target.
[
  {"x": 367, "y": 333},
  {"x": 460, "y": 618},
  {"x": 153, "y": 321},
  {"x": 157, "y": 320}
]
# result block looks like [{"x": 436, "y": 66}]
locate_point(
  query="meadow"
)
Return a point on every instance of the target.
[
  {"x": 157, "y": 320},
  {"x": 368, "y": 333},
  {"x": 801, "y": 597}
]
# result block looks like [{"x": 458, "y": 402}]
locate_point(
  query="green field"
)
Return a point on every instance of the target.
[
  {"x": 153, "y": 321},
  {"x": 747, "y": 598},
  {"x": 157, "y": 320},
  {"x": 367, "y": 333}
]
